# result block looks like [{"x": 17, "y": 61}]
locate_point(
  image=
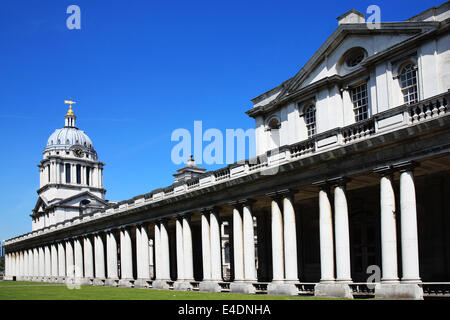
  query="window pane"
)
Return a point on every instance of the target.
[{"x": 360, "y": 102}]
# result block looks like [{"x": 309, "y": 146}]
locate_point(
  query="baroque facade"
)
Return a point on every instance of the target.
[{"x": 352, "y": 173}]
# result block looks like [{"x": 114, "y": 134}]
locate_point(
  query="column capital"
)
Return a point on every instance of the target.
[
  {"x": 322, "y": 185},
  {"x": 339, "y": 181},
  {"x": 125, "y": 227},
  {"x": 279, "y": 194},
  {"x": 384, "y": 171},
  {"x": 405, "y": 166},
  {"x": 185, "y": 215},
  {"x": 235, "y": 204},
  {"x": 212, "y": 209},
  {"x": 247, "y": 201}
]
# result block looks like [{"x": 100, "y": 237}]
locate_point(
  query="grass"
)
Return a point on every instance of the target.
[{"x": 17, "y": 290}]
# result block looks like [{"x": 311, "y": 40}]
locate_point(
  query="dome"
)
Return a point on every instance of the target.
[{"x": 67, "y": 137}]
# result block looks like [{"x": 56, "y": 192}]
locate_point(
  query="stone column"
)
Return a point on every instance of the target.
[
  {"x": 212, "y": 254},
  {"x": 138, "y": 252},
  {"x": 290, "y": 239},
  {"x": 88, "y": 260},
  {"x": 54, "y": 257},
  {"x": 157, "y": 252},
  {"x": 41, "y": 264},
  {"x": 162, "y": 256},
  {"x": 326, "y": 236},
  {"x": 7, "y": 268},
  {"x": 277, "y": 242},
  {"x": 180, "y": 248},
  {"x": 238, "y": 244},
  {"x": 61, "y": 262},
  {"x": 99, "y": 260},
  {"x": 111, "y": 256},
  {"x": 70, "y": 264},
  {"x": 216, "y": 256},
  {"x": 30, "y": 264},
  {"x": 20, "y": 273},
  {"x": 249, "y": 243},
  {"x": 25, "y": 264},
  {"x": 145, "y": 256},
  {"x": 184, "y": 249},
  {"x": 35, "y": 264},
  {"x": 165, "y": 254},
  {"x": 142, "y": 256},
  {"x": 327, "y": 286},
  {"x": 187, "y": 246},
  {"x": 206, "y": 247},
  {"x": 388, "y": 229},
  {"x": 408, "y": 226},
  {"x": 342, "y": 239},
  {"x": 126, "y": 259},
  {"x": 243, "y": 248},
  {"x": 78, "y": 253},
  {"x": 13, "y": 264},
  {"x": 48, "y": 263}
]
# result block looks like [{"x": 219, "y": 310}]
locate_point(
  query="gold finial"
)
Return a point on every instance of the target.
[{"x": 70, "y": 111}]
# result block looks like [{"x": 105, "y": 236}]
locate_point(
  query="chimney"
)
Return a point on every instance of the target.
[{"x": 351, "y": 16}]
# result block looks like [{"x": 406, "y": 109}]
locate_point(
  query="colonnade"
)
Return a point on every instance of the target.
[{"x": 108, "y": 257}]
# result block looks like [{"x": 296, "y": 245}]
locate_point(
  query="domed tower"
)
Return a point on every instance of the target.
[{"x": 71, "y": 177}]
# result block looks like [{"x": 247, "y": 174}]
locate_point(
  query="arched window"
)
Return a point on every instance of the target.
[
  {"x": 408, "y": 83},
  {"x": 310, "y": 120}
]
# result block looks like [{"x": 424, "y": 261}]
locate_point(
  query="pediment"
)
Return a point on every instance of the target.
[
  {"x": 41, "y": 205},
  {"x": 328, "y": 60},
  {"x": 85, "y": 198}
]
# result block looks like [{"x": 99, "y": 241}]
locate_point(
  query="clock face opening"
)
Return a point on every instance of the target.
[{"x": 78, "y": 153}]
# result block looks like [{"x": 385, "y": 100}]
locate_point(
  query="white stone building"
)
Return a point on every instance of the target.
[{"x": 352, "y": 173}]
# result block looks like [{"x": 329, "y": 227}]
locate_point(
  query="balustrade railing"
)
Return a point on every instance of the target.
[{"x": 222, "y": 174}]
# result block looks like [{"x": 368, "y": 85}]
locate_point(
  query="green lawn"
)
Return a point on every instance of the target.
[{"x": 16, "y": 290}]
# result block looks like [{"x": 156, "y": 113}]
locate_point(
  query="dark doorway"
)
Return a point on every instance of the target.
[{"x": 365, "y": 243}]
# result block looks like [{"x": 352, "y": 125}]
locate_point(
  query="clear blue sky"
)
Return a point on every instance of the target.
[{"x": 140, "y": 69}]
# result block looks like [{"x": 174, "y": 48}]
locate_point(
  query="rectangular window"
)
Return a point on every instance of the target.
[
  {"x": 67, "y": 173},
  {"x": 48, "y": 170},
  {"x": 360, "y": 102},
  {"x": 78, "y": 174}
]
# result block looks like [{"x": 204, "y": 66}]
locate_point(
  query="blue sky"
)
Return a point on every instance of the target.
[{"x": 139, "y": 70}]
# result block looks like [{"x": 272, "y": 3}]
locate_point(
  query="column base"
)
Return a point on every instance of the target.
[
  {"x": 82, "y": 281},
  {"x": 60, "y": 280},
  {"x": 404, "y": 291},
  {"x": 210, "y": 286},
  {"x": 242, "y": 287},
  {"x": 160, "y": 285},
  {"x": 182, "y": 285},
  {"x": 282, "y": 289},
  {"x": 111, "y": 282},
  {"x": 142, "y": 283},
  {"x": 126, "y": 283},
  {"x": 100, "y": 282},
  {"x": 333, "y": 290}
]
